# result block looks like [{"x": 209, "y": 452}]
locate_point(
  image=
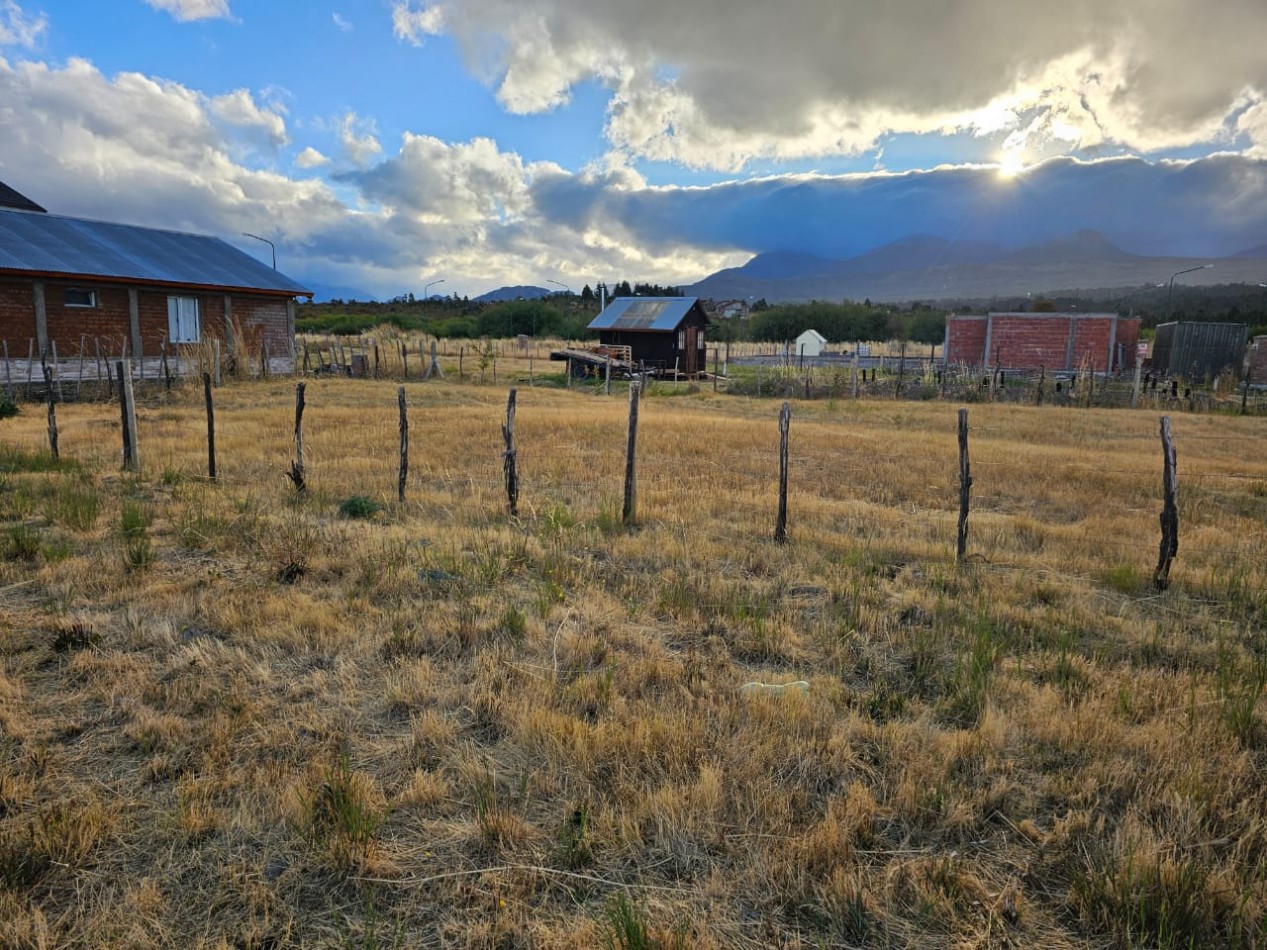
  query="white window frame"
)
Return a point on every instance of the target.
[
  {"x": 184, "y": 320},
  {"x": 92, "y": 298}
]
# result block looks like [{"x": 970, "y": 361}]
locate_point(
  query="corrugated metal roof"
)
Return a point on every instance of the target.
[
  {"x": 644, "y": 313},
  {"x": 9, "y": 198},
  {"x": 53, "y": 244}
]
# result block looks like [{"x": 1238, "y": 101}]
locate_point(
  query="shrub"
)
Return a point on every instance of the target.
[{"x": 358, "y": 506}]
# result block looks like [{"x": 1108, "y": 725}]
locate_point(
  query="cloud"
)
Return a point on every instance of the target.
[
  {"x": 311, "y": 158},
  {"x": 18, "y": 28},
  {"x": 359, "y": 138},
  {"x": 693, "y": 83},
  {"x": 187, "y": 10},
  {"x": 341, "y": 23},
  {"x": 134, "y": 149},
  {"x": 239, "y": 109},
  {"x": 412, "y": 24}
]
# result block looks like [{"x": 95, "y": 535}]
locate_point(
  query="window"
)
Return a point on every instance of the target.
[
  {"x": 78, "y": 297},
  {"x": 681, "y": 339},
  {"x": 183, "y": 325}
]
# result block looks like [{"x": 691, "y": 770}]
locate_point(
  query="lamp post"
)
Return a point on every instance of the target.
[
  {"x": 565, "y": 287},
  {"x": 429, "y": 286},
  {"x": 266, "y": 241},
  {"x": 1171, "y": 289},
  {"x": 1136, "y": 293}
]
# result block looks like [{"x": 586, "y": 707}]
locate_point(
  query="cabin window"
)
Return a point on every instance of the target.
[
  {"x": 681, "y": 339},
  {"x": 699, "y": 339},
  {"x": 183, "y": 323},
  {"x": 78, "y": 297}
]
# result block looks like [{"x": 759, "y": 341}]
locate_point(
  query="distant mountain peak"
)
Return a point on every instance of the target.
[{"x": 1084, "y": 245}]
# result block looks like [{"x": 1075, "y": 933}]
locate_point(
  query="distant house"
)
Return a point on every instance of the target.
[
  {"x": 1103, "y": 342},
  {"x": 731, "y": 309},
  {"x": 1258, "y": 361},
  {"x": 661, "y": 332},
  {"x": 95, "y": 287},
  {"x": 1198, "y": 350},
  {"x": 810, "y": 343}
]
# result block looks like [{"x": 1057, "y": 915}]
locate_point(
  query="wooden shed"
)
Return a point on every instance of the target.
[{"x": 661, "y": 333}]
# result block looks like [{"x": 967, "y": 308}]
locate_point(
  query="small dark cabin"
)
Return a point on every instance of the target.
[{"x": 661, "y": 332}]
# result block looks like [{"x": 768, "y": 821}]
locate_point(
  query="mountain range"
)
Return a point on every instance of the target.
[{"x": 934, "y": 269}]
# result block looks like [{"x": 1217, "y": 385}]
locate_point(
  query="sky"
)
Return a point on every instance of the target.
[{"x": 457, "y": 146}]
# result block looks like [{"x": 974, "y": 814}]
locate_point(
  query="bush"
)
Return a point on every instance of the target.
[{"x": 358, "y": 506}]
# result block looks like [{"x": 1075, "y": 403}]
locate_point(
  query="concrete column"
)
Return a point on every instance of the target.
[
  {"x": 41, "y": 318},
  {"x": 134, "y": 318}
]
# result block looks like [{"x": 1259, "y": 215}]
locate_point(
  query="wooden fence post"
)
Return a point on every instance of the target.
[
  {"x": 215, "y": 362},
  {"x": 296, "y": 473},
  {"x": 127, "y": 409},
  {"x": 1170, "y": 510},
  {"x": 167, "y": 372},
  {"x": 965, "y": 487},
  {"x": 57, "y": 373},
  {"x": 607, "y": 379},
  {"x": 509, "y": 456},
  {"x": 404, "y": 438},
  {"x": 1042, "y": 379},
  {"x": 52, "y": 415},
  {"x": 855, "y": 371},
  {"x": 434, "y": 369},
  {"x": 8, "y": 375},
  {"x": 785, "y": 424},
  {"x": 211, "y": 426},
  {"x": 630, "y": 509},
  {"x": 1139, "y": 363}
]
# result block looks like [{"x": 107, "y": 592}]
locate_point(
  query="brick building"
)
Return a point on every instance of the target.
[
  {"x": 1104, "y": 342},
  {"x": 96, "y": 287},
  {"x": 1258, "y": 361}
]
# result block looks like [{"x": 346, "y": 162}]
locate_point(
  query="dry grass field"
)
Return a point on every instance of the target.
[{"x": 232, "y": 716}]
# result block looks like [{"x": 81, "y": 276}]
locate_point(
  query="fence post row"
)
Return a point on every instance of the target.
[
  {"x": 629, "y": 511},
  {"x": 211, "y": 426},
  {"x": 509, "y": 456},
  {"x": 785, "y": 424},
  {"x": 965, "y": 487},
  {"x": 404, "y": 438},
  {"x": 296, "y": 473},
  {"x": 1170, "y": 509}
]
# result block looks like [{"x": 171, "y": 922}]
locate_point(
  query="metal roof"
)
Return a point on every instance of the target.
[
  {"x": 9, "y": 198},
  {"x": 53, "y": 245},
  {"x": 644, "y": 313}
]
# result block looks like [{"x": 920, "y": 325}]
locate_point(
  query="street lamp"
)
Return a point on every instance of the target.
[
  {"x": 429, "y": 286},
  {"x": 557, "y": 284},
  {"x": 1136, "y": 293},
  {"x": 266, "y": 241},
  {"x": 1171, "y": 289}
]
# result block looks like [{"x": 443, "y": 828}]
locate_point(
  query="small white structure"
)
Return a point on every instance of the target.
[{"x": 810, "y": 343}]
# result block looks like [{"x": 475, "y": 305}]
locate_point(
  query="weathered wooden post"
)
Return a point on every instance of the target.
[
  {"x": 965, "y": 487},
  {"x": 376, "y": 370},
  {"x": 607, "y": 379},
  {"x": 30, "y": 366},
  {"x": 57, "y": 372},
  {"x": 1139, "y": 364},
  {"x": 785, "y": 424},
  {"x": 127, "y": 410},
  {"x": 569, "y": 376},
  {"x": 630, "y": 509},
  {"x": 434, "y": 369},
  {"x": 901, "y": 371},
  {"x": 404, "y": 443},
  {"x": 1169, "y": 511},
  {"x": 215, "y": 362},
  {"x": 52, "y": 415},
  {"x": 8, "y": 375},
  {"x": 855, "y": 371},
  {"x": 211, "y": 426},
  {"x": 1042, "y": 380},
  {"x": 509, "y": 456},
  {"x": 296, "y": 473}
]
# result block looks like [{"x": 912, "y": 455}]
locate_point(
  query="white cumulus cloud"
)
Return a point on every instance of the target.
[
  {"x": 18, "y": 28},
  {"x": 186, "y": 10},
  {"x": 311, "y": 158},
  {"x": 411, "y": 22},
  {"x": 359, "y": 138}
]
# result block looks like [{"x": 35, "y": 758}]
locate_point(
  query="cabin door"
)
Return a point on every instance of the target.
[{"x": 692, "y": 351}]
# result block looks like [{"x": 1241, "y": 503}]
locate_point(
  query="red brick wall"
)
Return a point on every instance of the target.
[
  {"x": 965, "y": 340},
  {"x": 1031, "y": 340},
  {"x": 109, "y": 323},
  {"x": 17, "y": 316}
]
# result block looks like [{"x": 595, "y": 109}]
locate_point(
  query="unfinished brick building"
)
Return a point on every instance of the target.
[
  {"x": 1102, "y": 342},
  {"x": 74, "y": 286}
]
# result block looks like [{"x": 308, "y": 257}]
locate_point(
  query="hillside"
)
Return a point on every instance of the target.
[{"x": 929, "y": 268}]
